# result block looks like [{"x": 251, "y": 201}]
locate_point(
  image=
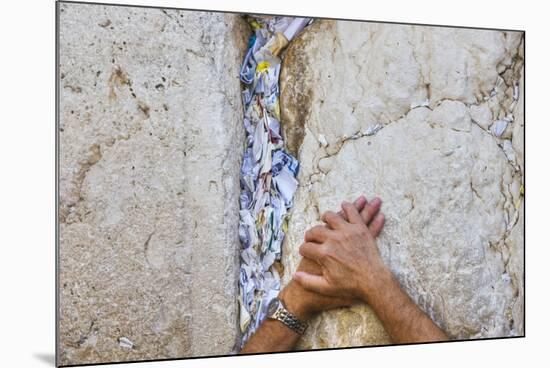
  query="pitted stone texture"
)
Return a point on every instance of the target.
[
  {"x": 150, "y": 123},
  {"x": 452, "y": 197}
]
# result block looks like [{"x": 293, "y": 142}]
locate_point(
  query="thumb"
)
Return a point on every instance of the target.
[{"x": 315, "y": 283}]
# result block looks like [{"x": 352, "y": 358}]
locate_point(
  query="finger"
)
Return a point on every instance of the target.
[
  {"x": 318, "y": 234},
  {"x": 332, "y": 302},
  {"x": 359, "y": 203},
  {"x": 315, "y": 283},
  {"x": 333, "y": 220},
  {"x": 370, "y": 210},
  {"x": 309, "y": 266},
  {"x": 352, "y": 214},
  {"x": 348, "y": 302},
  {"x": 377, "y": 224},
  {"x": 312, "y": 251}
]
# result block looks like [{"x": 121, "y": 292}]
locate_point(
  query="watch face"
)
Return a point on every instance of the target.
[{"x": 273, "y": 306}]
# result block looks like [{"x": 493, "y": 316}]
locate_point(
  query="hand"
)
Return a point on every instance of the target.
[
  {"x": 351, "y": 266},
  {"x": 303, "y": 303}
]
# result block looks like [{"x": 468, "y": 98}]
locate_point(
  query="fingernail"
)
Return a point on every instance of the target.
[{"x": 376, "y": 201}]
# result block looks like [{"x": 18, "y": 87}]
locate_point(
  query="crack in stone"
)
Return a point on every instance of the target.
[
  {"x": 172, "y": 17},
  {"x": 502, "y": 242},
  {"x": 85, "y": 336},
  {"x": 146, "y": 248},
  {"x": 515, "y": 66},
  {"x": 475, "y": 191},
  {"x": 85, "y": 165}
]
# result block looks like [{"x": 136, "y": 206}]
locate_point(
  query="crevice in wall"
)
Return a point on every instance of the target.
[{"x": 268, "y": 171}]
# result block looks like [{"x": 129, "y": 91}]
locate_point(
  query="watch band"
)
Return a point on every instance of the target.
[{"x": 288, "y": 319}]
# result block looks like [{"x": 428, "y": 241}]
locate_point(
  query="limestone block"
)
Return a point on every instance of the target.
[
  {"x": 150, "y": 133},
  {"x": 451, "y": 190}
]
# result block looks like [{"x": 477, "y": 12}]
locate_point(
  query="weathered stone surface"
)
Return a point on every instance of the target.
[
  {"x": 451, "y": 190},
  {"x": 150, "y": 148},
  {"x": 150, "y": 138}
]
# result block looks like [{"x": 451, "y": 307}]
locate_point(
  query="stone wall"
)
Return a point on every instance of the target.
[
  {"x": 150, "y": 149},
  {"x": 452, "y": 190}
]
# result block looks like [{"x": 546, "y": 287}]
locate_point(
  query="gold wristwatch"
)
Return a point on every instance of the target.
[{"x": 276, "y": 310}]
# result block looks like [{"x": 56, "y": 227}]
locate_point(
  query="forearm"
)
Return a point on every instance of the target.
[
  {"x": 400, "y": 316},
  {"x": 271, "y": 336}
]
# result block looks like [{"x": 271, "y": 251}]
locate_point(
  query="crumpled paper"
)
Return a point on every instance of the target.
[{"x": 268, "y": 173}]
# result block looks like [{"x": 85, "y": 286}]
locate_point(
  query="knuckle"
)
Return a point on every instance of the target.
[
  {"x": 359, "y": 229},
  {"x": 350, "y": 236},
  {"x": 367, "y": 211},
  {"x": 339, "y": 237},
  {"x": 354, "y": 229},
  {"x": 324, "y": 253},
  {"x": 303, "y": 249},
  {"x": 364, "y": 234}
]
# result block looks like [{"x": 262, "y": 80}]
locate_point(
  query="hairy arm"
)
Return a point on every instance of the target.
[
  {"x": 273, "y": 335},
  {"x": 401, "y": 317},
  {"x": 351, "y": 266}
]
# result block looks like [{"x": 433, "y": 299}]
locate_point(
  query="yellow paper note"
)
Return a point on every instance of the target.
[{"x": 263, "y": 66}]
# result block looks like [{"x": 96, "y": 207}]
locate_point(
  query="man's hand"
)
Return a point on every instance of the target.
[
  {"x": 303, "y": 303},
  {"x": 347, "y": 253},
  {"x": 351, "y": 267},
  {"x": 273, "y": 335}
]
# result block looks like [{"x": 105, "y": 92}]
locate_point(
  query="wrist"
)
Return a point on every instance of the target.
[
  {"x": 380, "y": 281},
  {"x": 292, "y": 301}
]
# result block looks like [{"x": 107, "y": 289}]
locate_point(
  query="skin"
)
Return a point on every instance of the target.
[
  {"x": 351, "y": 266},
  {"x": 342, "y": 266},
  {"x": 304, "y": 304}
]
